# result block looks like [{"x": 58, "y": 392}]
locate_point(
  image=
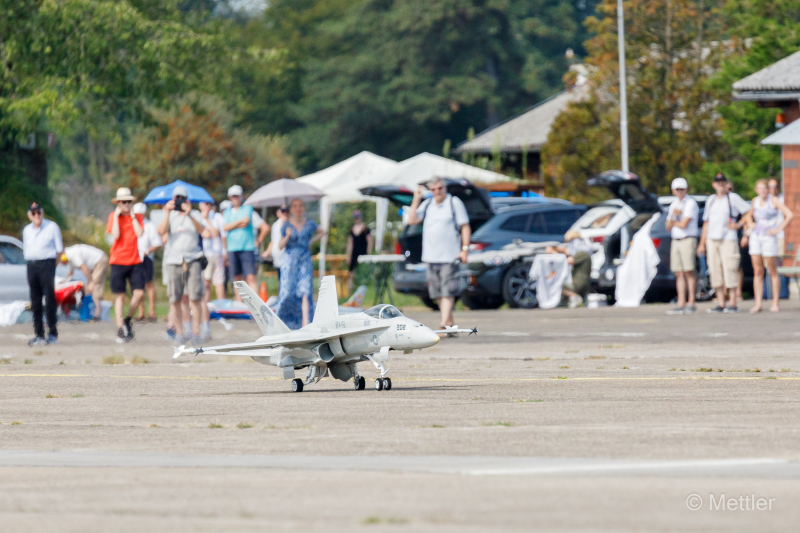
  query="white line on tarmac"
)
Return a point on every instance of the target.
[{"x": 430, "y": 464}]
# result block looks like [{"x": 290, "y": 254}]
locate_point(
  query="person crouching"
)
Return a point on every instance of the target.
[{"x": 579, "y": 256}]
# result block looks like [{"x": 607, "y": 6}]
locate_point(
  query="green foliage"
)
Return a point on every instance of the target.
[
  {"x": 18, "y": 193},
  {"x": 195, "y": 141}
]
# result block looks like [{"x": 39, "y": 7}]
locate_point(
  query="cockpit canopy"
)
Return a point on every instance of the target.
[{"x": 383, "y": 311}]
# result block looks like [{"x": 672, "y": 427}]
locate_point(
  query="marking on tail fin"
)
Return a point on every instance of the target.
[
  {"x": 327, "y": 301},
  {"x": 268, "y": 323}
]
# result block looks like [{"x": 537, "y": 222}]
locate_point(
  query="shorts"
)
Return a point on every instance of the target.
[
  {"x": 242, "y": 263},
  {"x": 149, "y": 269},
  {"x": 723, "y": 263},
  {"x": 683, "y": 254},
  {"x": 763, "y": 245},
  {"x": 443, "y": 281},
  {"x": 100, "y": 271},
  {"x": 133, "y": 274},
  {"x": 215, "y": 271},
  {"x": 180, "y": 282}
]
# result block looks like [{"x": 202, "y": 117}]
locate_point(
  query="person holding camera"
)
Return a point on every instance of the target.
[
  {"x": 445, "y": 243},
  {"x": 183, "y": 259}
]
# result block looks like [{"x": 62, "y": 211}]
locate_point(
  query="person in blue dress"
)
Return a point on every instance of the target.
[{"x": 296, "y": 303}]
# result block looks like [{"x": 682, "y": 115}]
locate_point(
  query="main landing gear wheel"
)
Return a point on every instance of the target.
[
  {"x": 297, "y": 385},
  {"x": 387, "y": 383},
  {"x": 360, "y": 383},
  {"x": 379, "y": 384}
]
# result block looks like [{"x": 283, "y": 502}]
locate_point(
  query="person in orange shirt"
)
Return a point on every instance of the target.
[{"x": 126, "y": 263}]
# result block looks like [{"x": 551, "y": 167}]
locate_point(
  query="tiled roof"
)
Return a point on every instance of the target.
[{"x": 778, "y": 77}]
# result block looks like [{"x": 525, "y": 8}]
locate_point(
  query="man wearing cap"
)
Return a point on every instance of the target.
[
  {"x": 719, "y": 241},
  {"x": 241, "y": 239},
  {"x": 93, "y": 262},
  {"x": 149, "y": 242},
  {"x": 125, "y": 229},
  {"x": 183, "y": 259},
  {"x": 41, "y": 245},
  {"x": 682, "y": 224}
]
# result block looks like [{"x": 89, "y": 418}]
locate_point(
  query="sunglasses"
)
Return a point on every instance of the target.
[
  {"x": 36, "y": 212},
  {"x": 125, "y": 202}
]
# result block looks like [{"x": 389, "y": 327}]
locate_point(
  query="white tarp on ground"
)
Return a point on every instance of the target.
[
  {"x": 550, "y": 271},
  {"x": 341, "y": 183},
  {"x": 636, "y": 273},
  {"x": 423, "y": 167},
  {"x": 10, "y": 312}
]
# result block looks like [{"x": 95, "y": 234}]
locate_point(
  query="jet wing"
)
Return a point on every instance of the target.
[{"x": 292, "y": 339}]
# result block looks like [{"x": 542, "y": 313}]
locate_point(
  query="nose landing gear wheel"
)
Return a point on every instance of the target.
[
  {"x": 360, "y": 383},
  {"x": 297, "y": 385},
  {"x": 387, "y": 383},
  {"x": 379, "y": 384}
]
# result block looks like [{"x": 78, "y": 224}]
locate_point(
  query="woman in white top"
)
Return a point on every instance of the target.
[{"x": 764, "y": 225}]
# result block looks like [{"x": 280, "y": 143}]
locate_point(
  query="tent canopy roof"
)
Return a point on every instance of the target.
[
  {"x": 425, "y": 166},
  {"x": 787, "y": 135},
  {"x": 342, "y": 181}
]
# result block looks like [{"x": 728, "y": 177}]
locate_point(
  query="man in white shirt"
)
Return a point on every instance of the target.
[
  {"x": 274, "y": 250},
  {"x": 93, "y": 262},
  {"x": 720, "y": 242},
  {"x": 445, "y": 243},
  {"x": 41, "y": 245},
  {"x": 148, "y": 242},
  {"x": 682, "y": 225}
]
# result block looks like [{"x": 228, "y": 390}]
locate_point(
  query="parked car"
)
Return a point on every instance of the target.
[
  {"x": 14, "y": 271},
  {"x": 409, "y": 277},
  {"x": 628, "y": 189},
  {"x": 490, "y": 283}
]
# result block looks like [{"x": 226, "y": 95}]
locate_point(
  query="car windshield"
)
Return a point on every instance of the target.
[
  {"x": 11, "y": 254},
  {"x": 383, "y": 311},
  {"x": 597, "y": 218}
]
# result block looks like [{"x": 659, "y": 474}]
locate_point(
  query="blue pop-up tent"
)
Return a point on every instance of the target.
[{"x": 163, "y": 194}]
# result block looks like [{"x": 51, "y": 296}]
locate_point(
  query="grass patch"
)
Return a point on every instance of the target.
[
  {"x": 624, "y": 368},
  {"x": 786, "y": 369},
  {"x": 62, "y": 362},
  {"x": 435, "y": 426},
  {"x": 79, "y": 395},
  {"x": 595, "y": 357},
  {"x": 139, "y": 360},
  {"x": 705, "y": 369},
  {"x": 51, "y": 396},
  {"x": 542, "y": 359},
  {"x": 28, "y": 361},
  {"x": 523, "y": 400},
  {"x": 571, "y": 351},
  {"x": 16, "y": 423},
  {"x": 564, "y": 367},
  {"x": 38, "y": 352},
  {"x": 756, "y": 369},
  {"x": 501, "y": 423},
  {"x": 154, "y": 426},
  {"x": 244, "y": 425},
  {"x": 561, "y": 377},
  {"x": 770, "y": 377},
  {"x": 601, "y": 368},
  {"x": 88, "y": 361},
  {"x": 5, "y": 360},
  {"x": 476, "y": 398},
  {"x": 376, "y": 520},
  {"x": 214, "y": 425},
  {"x": 113, "y": 360}
]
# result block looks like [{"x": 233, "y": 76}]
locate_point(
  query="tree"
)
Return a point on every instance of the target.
[
  {"x": 672, "y": 49},
  {"x": 195, "y": 141}
]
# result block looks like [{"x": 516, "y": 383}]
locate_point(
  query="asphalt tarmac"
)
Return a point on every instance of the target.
[{"x": 562, "y": 420}]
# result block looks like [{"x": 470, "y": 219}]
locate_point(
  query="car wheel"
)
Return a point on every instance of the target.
[
  {"x": 518, "y": 290},
  {"x": 482, "y": 302},
  {"x": 430, "y": 303}
]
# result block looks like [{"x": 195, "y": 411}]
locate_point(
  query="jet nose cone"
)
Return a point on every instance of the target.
[{"x": 423, "y": 336}]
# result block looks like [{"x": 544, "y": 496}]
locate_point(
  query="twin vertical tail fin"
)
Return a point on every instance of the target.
[
  {"x": 327, "y": 302},
  {"x": 267, "y": 321}
]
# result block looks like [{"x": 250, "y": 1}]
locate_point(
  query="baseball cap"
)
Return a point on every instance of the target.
[
  {"x": 235, "y": 190},
  {"x": 679, "y": 183},
  {"x": 180, "y": 190},
  {"x": 139, "y": 209},
  {"x": 34, "y": 206},
  {"x": 720, "y": 177}
]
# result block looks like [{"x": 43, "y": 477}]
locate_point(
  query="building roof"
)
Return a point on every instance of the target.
[
  {"x": 779, "y": 81},
  {"x": 527, "y": 130},
  {"x": 787, "y": 135}
]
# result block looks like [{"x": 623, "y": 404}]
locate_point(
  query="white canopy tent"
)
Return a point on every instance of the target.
[
  {"x": 424, "y": 167},
  {"x": 341, "y": 183}
]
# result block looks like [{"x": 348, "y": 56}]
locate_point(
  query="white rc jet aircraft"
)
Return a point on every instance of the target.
[{"x": 330, "y": 344}]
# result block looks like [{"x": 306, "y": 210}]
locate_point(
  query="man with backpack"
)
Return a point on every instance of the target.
[
  {"x": 719, "y": 241},
  {"x": 445, "y": 243}
]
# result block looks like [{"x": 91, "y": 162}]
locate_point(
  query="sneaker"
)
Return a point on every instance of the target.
[
  {"x": 677, "y": 311},
  {"x": 52, "y": 339},
  {"x": 575, "y": 301},
  {"x": 37, "y": 341},
  {"x": 690, "y": 310},
  {"x": 717, "y": 309},
  {"x": 95, "y": 319},
  {"x": 171, "y": 334},
  {"x": 122, "y": 335},
  {"x": 129, "y": 328},
  {"x": 731, "y": 309}
]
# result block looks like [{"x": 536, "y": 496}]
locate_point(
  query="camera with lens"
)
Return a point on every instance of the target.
[{"x": 179, "y": 200}]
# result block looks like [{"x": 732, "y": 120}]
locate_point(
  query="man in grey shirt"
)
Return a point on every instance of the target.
[
  {"x": 445, "y": 243},
  {"x": 182, "y": 255}
]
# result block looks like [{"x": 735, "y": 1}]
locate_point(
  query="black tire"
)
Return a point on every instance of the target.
[
  {"x": 432, "y": 304},
  {"x": 360, "y": 383},
  {"x": 482, "y": 302},
  {"x": 297, "y": 385},
  {"x": 518, "y": 291},
  {"x": 387, "y": 383},
  {"x": 379, "y": 384}
]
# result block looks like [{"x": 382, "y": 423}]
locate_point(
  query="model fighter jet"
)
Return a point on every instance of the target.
[{"x": 331, "y": 344}]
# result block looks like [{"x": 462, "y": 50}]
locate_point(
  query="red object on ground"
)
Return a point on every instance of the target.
[{"x": 65, "y": 295}]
